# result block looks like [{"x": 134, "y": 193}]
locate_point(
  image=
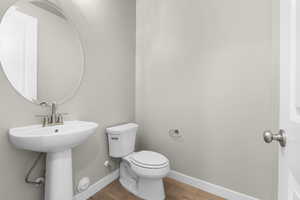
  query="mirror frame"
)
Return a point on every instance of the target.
[{"x": 72, "y": 93}]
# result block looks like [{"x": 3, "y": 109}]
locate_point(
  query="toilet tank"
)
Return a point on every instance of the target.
[{"x": 121, "y": 139}]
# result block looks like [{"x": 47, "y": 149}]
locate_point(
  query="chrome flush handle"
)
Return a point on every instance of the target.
[{"x": 280, "y": 137}]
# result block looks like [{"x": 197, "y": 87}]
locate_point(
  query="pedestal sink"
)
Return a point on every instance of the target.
[{"x": 57, "y": 142}]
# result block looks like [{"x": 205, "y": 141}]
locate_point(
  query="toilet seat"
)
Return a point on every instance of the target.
[{"x": 149, "y": 159}]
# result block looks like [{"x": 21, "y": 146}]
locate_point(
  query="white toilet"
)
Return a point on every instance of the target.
[{"x": 141, "y": 172}]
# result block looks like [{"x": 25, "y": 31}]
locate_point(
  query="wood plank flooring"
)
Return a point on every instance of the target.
[{"x": 174, "y": 191}]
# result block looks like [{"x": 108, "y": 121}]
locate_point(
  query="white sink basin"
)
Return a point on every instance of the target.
[
  {"x": 57, "y": 142},
  {"x": 52, "y": 138}
]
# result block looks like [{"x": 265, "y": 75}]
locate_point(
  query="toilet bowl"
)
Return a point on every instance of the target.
[{"x": 141, "y": 173}]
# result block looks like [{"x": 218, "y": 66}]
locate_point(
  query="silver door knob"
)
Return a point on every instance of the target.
[{"x": 280, "y": 137}]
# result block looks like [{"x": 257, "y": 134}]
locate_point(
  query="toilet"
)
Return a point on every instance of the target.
[{"x": 141, "y": 172}]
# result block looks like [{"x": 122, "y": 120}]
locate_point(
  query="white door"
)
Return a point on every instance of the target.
[{"x": 289, "y": 156}]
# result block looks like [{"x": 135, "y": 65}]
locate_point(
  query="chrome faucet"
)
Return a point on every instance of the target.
[{"x": 54, "y": 118}]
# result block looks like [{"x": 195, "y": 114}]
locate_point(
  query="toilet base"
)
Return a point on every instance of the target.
[{"x": 145, "y": 188}]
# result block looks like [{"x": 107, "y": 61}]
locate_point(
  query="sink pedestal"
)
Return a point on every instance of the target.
[{"x": 59, "y": 181}]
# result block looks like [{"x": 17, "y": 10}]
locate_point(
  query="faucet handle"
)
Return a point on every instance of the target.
[
  {"x": 45, "y": 119},
  {"x": 60, "y": 117}
]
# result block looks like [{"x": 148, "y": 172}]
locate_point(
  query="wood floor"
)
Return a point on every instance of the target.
[{"x": 174, "y": 191}]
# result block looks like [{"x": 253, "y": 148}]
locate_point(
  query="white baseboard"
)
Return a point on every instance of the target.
[
  {"x": 96, "y": 187},
  {"x": 209, "y": 187},
  {"x": 203, "y": 185}
]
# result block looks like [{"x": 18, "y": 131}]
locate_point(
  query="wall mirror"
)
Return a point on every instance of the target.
[{"x": 40, "y": 51}]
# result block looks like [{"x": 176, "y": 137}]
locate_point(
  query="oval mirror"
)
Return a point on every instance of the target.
[{"x": 40, "y": 51}]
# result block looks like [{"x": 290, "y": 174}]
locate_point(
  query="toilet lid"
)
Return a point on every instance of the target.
[{"x": 149, "y": 158}]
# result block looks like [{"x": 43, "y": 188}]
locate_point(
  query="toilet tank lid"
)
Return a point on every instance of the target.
[{"x": 122, "y": 128}]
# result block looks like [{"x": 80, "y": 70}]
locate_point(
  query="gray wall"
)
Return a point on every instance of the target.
[
  {"x": 210, "y": 68},
  {"x": 106, "y": 95}
]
